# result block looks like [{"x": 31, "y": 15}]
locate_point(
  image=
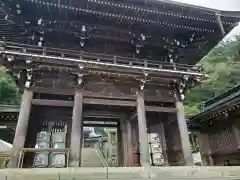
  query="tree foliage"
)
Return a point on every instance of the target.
[
  {"x": 8, "y": 91},
  {"x": 222, "y": 67}
]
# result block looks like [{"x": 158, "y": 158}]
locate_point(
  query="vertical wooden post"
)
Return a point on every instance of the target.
[
  {"x": 163, "y": 143},
  {"x": 205, "y": 149},
  {"x": 236, "y": 134},
  {"x": 124, "y": 136},
  {"x": 77, "y": 129},
  {"x": 183, "y": 130},
  {"x": 22, "y": 126},
  {"x": 120, "y": 149},
  {"x": 134, "y": 136},
  {"x": 130, "y": 144},
  {"x": 142, "y": 127},
  {"x": 136, "y": 161}
]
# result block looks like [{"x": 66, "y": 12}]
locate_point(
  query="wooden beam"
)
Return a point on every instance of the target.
[
  {"x": 97, "y": 115},
  {"x": 160, "y": 109},
  {"x": 103, "y": 114},
  {"x": 12, "y": 124},
  {"x": 86, "y": 94},
  {"x": 157, "y": 98},
  {"x": 60, "y": 103},
  {"x": 110, "y": 65},
  {"x": 99, "y": 125},
  {"x": 89, "y": 94},
  {"x": 109, "y": 102},
  {"x": 57, "y": 103},
  {"x": 58, "y": 91}
]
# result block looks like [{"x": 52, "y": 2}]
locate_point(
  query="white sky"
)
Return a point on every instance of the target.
[{"x": 230, "y": 5}]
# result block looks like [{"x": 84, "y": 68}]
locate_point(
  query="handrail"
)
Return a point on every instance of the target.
[
  {"x": 103, "y": 160},
  {"x": 4, "y": 159}
]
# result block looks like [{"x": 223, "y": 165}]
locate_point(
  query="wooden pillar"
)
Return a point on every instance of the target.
[
  {"x": 22, "y": 126},
  {"x": 135, "y": 141},
  {"x": 205, "y": 149},
  {"x": 130, "y": 144},
  {"x": 77, "y": 129},
  {"x": 124, "y": 141},
  {"x": 163, "y": 143},
  {"x": 183, "y": 130},
  {"x": 236, "y": 134},
  {"x": 142, "y": 127},
  {"x": 135, "y": 136},
  {"x": 120, "y": 148}
]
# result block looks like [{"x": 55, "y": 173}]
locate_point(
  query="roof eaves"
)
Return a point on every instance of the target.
[
  {"x": 214, "y": 11},
  {"x": 9, "y": 108},
  {"x": 232, "y": 99},
  {"x": 231, "y": 92}
]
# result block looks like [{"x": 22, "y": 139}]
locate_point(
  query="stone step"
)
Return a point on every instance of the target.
[
  {"x": 90, "y": 158},
  {"x": 157, "y": 173}
]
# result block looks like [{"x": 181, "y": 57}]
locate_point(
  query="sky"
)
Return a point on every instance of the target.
[{"x": 229, "y": 5}]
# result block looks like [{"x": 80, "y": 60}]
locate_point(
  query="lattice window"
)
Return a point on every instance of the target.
[{"x": 222, "y": 139}]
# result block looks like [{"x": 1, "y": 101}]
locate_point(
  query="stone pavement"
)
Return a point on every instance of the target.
[{"x": 156, "y": 173}]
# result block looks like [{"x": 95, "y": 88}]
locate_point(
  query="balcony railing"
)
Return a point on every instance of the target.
[{"x": 96, "y": 57}]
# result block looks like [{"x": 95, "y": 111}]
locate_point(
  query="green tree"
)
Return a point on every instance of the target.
[
  {"x": 8, "y": 91},
  {"x": 222, "y": 68}
]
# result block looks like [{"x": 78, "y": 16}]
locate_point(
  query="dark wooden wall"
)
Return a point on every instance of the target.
[
  {"x": 173, "y": 142},
  {"x": 221, "y": 142}
]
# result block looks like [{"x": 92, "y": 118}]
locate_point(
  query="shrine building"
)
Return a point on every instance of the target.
[
  {"x": 219, "y": 129},
  {"x": 128, "y": 62}
]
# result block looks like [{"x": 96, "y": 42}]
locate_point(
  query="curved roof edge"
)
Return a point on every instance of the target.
[
  {"x": 221, "y": 102},
  {"x": 221, "y": 12},
  {"x": 234, "y": 89}
]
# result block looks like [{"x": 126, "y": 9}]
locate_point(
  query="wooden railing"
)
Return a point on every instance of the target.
[{"x": 104, "y": 58}]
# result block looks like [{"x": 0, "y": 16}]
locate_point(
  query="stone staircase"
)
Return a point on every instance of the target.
[{"x": 91, "y": 158}]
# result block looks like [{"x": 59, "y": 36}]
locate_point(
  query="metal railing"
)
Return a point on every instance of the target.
[
  {"x": 34, "y": 150},
  {"x": 4, "y": 159},
  {"x": 102, "y": 158}
]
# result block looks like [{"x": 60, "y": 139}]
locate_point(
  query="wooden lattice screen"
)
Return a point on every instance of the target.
[{"x": 222, "y": 140}]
